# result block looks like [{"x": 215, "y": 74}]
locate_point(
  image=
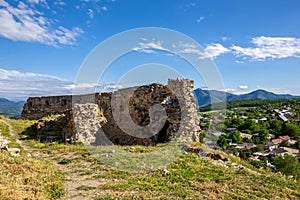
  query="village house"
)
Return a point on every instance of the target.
[
  {"x": 276, "y": 141},
  {"x": 269, "y": 146},
  {"x": 290, "y": 150},
  {"x": 285, "y": 137},
  {"x": 278, "y": 151},
  {"x": 245, "y": 146},
  {"x": 282, "y": 117},
  {"x": 245, "y": 135},
  {"x": 230, "y": 129}
]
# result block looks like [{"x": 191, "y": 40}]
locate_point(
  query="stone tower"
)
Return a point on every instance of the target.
[{"x": 183, "y": 89}]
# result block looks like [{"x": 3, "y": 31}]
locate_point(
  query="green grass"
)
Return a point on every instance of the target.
[
  {"x": 28, "y": 178},
  {"x": 5, "y": 132},
  {"x": 85, "y": 187},
  {"x": 24, "y": 177},
  {"x": 194, "y": 178},
  {"x": 134, "y": 177}
]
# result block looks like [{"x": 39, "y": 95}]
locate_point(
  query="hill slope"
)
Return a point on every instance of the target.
[
  {"x": 11, "y": 108},
  {"x": 205, "y": 97},
  {"x": 88, "y": 177}
]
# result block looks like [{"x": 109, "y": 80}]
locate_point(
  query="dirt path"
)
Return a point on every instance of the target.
[
  {"x": 81, "y": 175},
  {"x": 16, "y": 137}
]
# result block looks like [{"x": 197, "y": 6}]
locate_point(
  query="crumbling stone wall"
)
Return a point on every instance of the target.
[
  {"x": 38, "y": 107},
  {"x": 144, "y": 115},
  {"x": 184, "y": 91}
]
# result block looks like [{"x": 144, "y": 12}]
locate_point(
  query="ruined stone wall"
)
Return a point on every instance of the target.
[
  {"x": 38, "y": 107},
  {"x": 189, "y": 124},
  {"x": 128, "y": 117},
  {"x": 137, "y": 115}
]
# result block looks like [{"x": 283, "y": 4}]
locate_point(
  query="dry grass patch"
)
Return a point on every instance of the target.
[{"x": 27, "y": 178}]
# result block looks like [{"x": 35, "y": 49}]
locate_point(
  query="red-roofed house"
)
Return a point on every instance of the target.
[
  {"x": 285, "y": 137},
  {"x": 277, "y": 141}
]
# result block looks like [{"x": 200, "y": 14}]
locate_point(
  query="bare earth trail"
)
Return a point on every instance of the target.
[
  {"x": 15, "y": 135},
  {"x": 81, "y": 175}
]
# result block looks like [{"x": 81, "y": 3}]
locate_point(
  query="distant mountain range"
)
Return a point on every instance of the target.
[
  {"x": 205, "y": 97},
  {"x": 11, "y": 108}
]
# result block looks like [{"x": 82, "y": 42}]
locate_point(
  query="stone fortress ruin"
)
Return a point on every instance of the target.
[{"x": 144, "y": 115}]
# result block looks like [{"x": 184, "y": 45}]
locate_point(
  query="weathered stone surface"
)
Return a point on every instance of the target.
[
  {"x": 88, "y": 120},
  {"x": 144, "y": 115}
]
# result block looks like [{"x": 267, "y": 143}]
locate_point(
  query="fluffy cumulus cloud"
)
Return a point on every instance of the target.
[
  {"x": 24, "y": 22},
  {"x": 269, "y": 48},
  {"x": 21, "y": 85}
]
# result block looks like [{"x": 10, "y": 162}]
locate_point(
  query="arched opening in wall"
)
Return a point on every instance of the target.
[
  {"x": 30, "y": 104},
  {"x": 47, "y": 103}
]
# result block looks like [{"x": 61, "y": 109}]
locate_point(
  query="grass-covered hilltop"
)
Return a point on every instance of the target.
[{"x": 217, "y": 168}]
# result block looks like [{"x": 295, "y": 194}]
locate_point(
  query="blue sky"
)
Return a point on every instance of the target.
[{"x": 254, "y": 43}]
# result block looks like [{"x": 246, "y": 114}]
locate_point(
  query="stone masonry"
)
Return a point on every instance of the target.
[{"x": 144, "y": 115}]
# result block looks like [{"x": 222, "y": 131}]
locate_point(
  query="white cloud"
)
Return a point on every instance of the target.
[
  {"x": 21, "y": 85},
  {"x": 14, "y": 74},
  {"x": 214, "y": 50},
  {"x": 230, "y": 90},
  {"x": 239, "y": 62},
  {"x": 91, "y": 13},
  {"x": 104, "y": 8},
  {"x": 94, "y": 7},
  {"x": 269, "y": 48},
  {"x": 189, "y": 48},
  {"x": 200, "y": 19},
  {"x": 210, "y": 51},
  {"x": 283, "y": 91},
  {"x": 149, "y": 47},
  {"x": 224, "y": 38},
  {"x": 39, "y": 2},
  {"x": 59, "y": 3},
  {"x": 243, "y": 87},
  {"x": 25, "y": 23}
]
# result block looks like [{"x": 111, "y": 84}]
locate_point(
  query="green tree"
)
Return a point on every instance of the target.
[
  {"x": 251, "y": 126},
  {"x": 237, "y": 123},
  {"x": 202, "y": 136},
  {"x": 287, "y": 164},
  {"x": 284, "y": 143},
  {"x": 275, "y": 127},
  {"x": 222, "y": 142},
  {"x": 262, "y": 137},
  {"x": 258, "y": 148},
  {"x": 235, "y": 136},
  {"x": 257, "y": 163},
  {"x": 290, "y": 129},
  {"x": 297, "y": 144}
]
